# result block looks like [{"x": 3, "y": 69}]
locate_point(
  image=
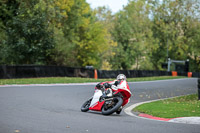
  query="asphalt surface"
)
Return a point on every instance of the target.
[{"x": 56, "y": 109}]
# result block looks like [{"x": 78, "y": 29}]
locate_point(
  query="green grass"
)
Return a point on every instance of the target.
[
  {"x": 53, "y": 80},
  {"x": 183, "y": 106}
]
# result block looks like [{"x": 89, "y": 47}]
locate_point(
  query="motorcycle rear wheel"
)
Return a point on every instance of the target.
[
  {"x": 85, "y": 107},
  {"x": 117, "y": 102}
]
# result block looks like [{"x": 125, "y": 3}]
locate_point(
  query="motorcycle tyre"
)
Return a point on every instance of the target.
[
  {"x": 114, "y": 109},
  {"x": 83, "y": 107}
]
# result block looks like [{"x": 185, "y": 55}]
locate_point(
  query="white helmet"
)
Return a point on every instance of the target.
[{"x": 121, "y": 77}]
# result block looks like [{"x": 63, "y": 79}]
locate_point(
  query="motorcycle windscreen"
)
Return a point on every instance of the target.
[{"x": 95, "y": 99}]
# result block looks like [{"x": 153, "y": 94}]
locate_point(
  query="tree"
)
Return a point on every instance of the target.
[
  {"x": 29, "y": 39},
  {"x": 7, "y": 11},
  {"x": 122, "y": 35},
  {"x": 92, "y": 41},
  {"x": 63, "y": 25},
  {"x": 131, "y": 32},
  {"x": 172, "y": 23},
  {"x": 105, "y": 17},
  {"x": 81, "y": 40}
]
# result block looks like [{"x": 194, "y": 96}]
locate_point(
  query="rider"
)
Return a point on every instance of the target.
[
  {"x": 117, "y": 83},
  {"x": 113, "y": 84}
]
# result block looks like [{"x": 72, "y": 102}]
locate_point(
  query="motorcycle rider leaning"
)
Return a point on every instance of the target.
[{"x": 112, "y": 84}]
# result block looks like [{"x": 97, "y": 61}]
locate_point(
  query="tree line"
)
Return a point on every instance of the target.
[{"x": 143, "y": 35}]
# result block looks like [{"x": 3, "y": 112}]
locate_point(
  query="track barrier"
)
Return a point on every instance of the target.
[{"x": 34, "y": 71}]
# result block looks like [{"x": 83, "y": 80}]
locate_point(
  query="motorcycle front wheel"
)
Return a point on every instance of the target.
[
  {"x": 112, "y": 106},
  {"x": 85, "y": 107}
]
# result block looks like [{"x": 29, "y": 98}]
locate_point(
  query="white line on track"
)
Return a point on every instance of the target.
[
  {"x": 25, "y": 85},
  {"x": 72, "y": 84},
  {"x": 165, "y": 80}
]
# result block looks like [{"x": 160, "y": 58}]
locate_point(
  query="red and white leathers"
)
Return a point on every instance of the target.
[{"x": 120, "y": 84}]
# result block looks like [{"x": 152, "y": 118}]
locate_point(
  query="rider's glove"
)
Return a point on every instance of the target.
[
  {"x": 117, "y": 82},
  {"x": 107, "y": 85},
  {"x": 99, "y": 86}
]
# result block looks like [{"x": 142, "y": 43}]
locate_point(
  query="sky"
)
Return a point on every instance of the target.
[{"x": 114, "y": 5}]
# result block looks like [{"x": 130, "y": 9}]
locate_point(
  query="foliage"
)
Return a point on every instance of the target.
[
  {"x": 68, "y": 32},
  {"x": 90, "y": 35},
  {"x": 172, "y": 24},
  {"x": 105, "y": 17},
  {"x": 132, "y": 32},
  {"x": 81, "y": 40},
  {"x": 28, "y": 37}
]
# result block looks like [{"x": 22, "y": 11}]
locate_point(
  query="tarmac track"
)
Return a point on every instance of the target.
[{"x": 56, "y": 109}]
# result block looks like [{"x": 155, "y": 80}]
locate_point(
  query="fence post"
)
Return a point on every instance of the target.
[{"x": 198, "y": 88}]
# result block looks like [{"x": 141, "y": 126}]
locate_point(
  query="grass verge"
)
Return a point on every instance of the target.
[
  {"x": 53, "y": 80},
  {"x": 184, "y": 106}
]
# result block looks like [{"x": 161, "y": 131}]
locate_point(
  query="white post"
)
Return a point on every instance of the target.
[{"x": 169, "y": 62}]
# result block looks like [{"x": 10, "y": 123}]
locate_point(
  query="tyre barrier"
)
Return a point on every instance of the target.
[{"x": 34, "y": 71}]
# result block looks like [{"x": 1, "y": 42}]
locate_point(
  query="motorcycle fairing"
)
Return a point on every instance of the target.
[{"x": 95, "y": 104}]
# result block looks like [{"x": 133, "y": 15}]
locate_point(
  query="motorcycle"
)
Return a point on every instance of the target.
[{"x": 108, "y": 100}]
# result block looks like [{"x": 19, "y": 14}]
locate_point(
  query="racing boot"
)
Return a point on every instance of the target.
[{"x": 119, "y": 110}]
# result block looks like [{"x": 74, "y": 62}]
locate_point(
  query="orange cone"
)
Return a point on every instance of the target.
[{"x": 95, "y": 74}]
